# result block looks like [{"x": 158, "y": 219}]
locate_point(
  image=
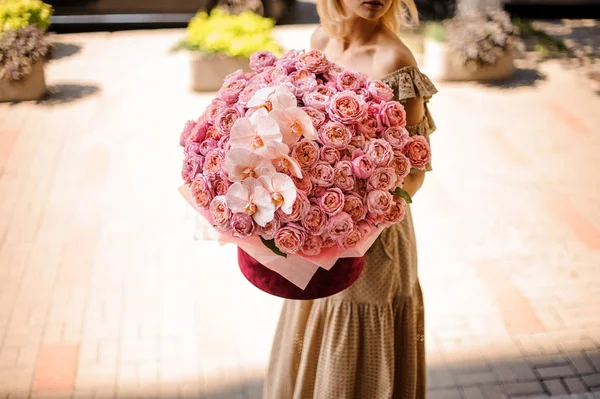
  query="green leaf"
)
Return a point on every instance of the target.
[
  {"x": 271, "y": 245},
  {"x": 399, "y": 192}
]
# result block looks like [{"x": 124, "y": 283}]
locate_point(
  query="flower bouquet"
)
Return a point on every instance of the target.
[{"x": 301, "y": 164}]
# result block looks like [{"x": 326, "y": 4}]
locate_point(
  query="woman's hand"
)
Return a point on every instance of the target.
[{"x": 413, "y": 182}]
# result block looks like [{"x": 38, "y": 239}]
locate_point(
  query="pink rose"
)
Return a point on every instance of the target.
[
  {"x": 202, "y": 191},
  {"x": 332, "y": 201},
  {"x": 316, "y": 100},
  {"x": 358, "y": 141},
  {"x": 329, "y": 155},
  {"x": 365, "y": 227},
  {"x": 317, "y": 117},
  {"x": 289, "y": 239},
  {"x": 314, "y": 222},
  {"x": 401, "y": 165},
  {"x": 312, "y": 245},
  {"x": 314, "y": 60},
  {"x": 198, "y": 133},
  {"x": 192, "y": 165},
  {"x": 207, "y": 145},
  {"x": 355, "y": 207},
  {"x": 299, "y": 209},
  {"x": 273, "y": 74},
  {"x": 302, "y": 74},
  {"x": 347, "y": 107},
  {"x": 186, "y": 132},
  {"x": 304, "y": 184},
  {"x": 380, "y": 152},
  {"x": 305, "y": 86},
  {"x": 306, "y": 152},
  {"x": 248, "y": 92},
  {"x": 418, "y": 152},
  {"x": 396, "y": 212},
  {"x": 289, "y": 64},
  {"x": 262, "y": 59},
  {"x": 213, "y": 162},
  {"x": 332, "y": 73},
  {"x": 237, "y": 75},
  {"x": 344, "y": 176},
  {"x": 379, "y": 202},
  {"x": 352, "y": 239},
  {"x": 242, "y": 225},
  {"x": 327, "y": 91},
  {"x": 223, "y": 143},
  {"x": 192, "y": 149},
  {"x": 336, "y": 135},
  {"x": 393, "y": 114},
  {"x": 348, "y": 80},
  {"x": 225, "y": 120},
  {"x": 340, "y": 225},
  {"x": 397, "y": 136},
  {"x": 382, "y": 179},
  {"x": 317, "y": 192},
  {"x": 327, "y": 241},
  {"x": 220, "y": 213},
  {"x": 380, "y": 91},
  {"x": 374, "y": 109},
  {"x": 221, "y": 185},
  {"x": 213, "y": 133},
  {"x": 230, "y": 92},
  {"x": 369, "y": 126},
  {"x": 363, "y": 167},
  {"x": 321, "y": 174},
  {"x": 268, "y": 231}
]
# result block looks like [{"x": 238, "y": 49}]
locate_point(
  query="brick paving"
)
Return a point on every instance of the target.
[{"x": 104, "y": 294}]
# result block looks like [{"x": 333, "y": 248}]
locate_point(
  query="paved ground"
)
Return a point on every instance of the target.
[{"x": 104, "y": 294}]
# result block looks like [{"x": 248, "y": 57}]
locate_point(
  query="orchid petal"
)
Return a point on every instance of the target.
[
  {"x": 276, "y": 151},
  {"x": 242, "y": 133},
  {"x": 260, "y": 97},
  {"x": 308, "y": 130},
  {"x": 262, "y": 199},
  {"x": 237, "y": 197},
  {"x": 283, "y": 99},
  {"x": 241, "y": 163},
  {"x": 268, "y": 129},
  {"x": 285, "y": 186}
]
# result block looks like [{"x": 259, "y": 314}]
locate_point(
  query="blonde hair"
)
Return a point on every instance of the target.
[{"x": 333, "y": 16}]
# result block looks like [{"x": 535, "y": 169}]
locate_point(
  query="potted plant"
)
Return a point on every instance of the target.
[
  {"x": 22, "y": 56},
  {"x": 479, "y": 47},
  {"x": 220, "y": 43},
  {"x": 23, "y": 49}
]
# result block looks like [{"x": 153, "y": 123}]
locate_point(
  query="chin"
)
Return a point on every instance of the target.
[{"x": 370, "y": 15}]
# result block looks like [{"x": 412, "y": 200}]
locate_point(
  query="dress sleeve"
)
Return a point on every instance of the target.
[{"x": 407, "y": 83}]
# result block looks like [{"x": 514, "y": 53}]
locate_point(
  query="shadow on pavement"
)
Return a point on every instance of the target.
[
  {"x": 65, "y": 50},
  {"x": 65, "y": 93},
  {"x": 521, "y": 78}
]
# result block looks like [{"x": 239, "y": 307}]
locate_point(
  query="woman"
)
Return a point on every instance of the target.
[{"x": 366, "y": 342}]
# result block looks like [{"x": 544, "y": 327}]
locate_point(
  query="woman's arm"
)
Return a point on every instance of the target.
[{"x": 414, "y": 107}]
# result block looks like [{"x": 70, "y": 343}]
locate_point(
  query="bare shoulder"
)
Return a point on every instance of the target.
[
  {"x": 319, "y": 39},
  {"x": 392, "y": 54}
]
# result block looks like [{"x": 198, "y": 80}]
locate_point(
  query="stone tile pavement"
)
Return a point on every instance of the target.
[{"x": 104, "y": 294}]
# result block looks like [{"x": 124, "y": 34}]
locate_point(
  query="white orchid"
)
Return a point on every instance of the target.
[
  {"x": 282, "y": 190},
  {"x": 254, "y": 131},
  {"x": 252, "y": 198},
  {"x": 278, "y": 154},
  {"x": 241, "y": 164}
]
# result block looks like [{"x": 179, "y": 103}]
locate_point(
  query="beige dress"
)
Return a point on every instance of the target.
[{"x": 366, "y": 342}]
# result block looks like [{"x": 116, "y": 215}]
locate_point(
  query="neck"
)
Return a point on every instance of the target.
[{"x": 360, "y": 31}]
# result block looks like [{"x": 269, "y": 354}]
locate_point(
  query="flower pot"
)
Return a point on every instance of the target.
[
  {"x": 323, "y": 284},
  {"x": 207, "y": 71},
  {"x": 31, "y": 87},
  {"x": 442, "y": 64}
]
